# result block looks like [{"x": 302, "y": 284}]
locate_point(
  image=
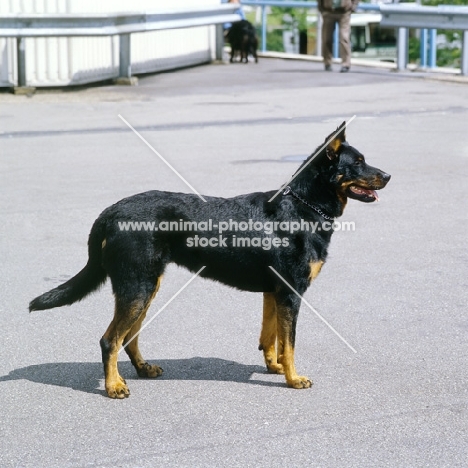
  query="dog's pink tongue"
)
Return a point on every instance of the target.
[{"x": 371, "y": 193}]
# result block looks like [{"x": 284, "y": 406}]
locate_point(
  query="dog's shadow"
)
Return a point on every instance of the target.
[{"x": 88, "y": 376}]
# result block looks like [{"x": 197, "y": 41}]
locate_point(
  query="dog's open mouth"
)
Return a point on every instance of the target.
[{"x": 362, "y": 194}]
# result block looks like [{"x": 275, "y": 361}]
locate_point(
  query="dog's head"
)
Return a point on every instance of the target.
[{"x": 349, "y": 173}]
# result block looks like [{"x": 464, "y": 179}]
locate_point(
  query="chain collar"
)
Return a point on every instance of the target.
[{"x": 288, "y": 191}]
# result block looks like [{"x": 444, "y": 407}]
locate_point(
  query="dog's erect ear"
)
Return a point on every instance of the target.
[{"x": 335, "y": 140}]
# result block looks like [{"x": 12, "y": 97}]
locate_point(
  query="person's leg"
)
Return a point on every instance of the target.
[
  {"x": 328, "y": 27},
  {"x": 345, "y": 40}
]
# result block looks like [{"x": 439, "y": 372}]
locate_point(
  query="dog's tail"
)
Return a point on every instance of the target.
[{"x": 85, "y": 282}]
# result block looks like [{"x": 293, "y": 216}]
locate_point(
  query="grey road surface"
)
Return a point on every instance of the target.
[{"x": 396, "y": 288}]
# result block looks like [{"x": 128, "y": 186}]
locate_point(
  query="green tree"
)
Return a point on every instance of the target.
[
  {"x": 447, "y": 56},
  {"x": 298, "y": 15},
  {"x": 443, "y": 2},
  {"x": 282, "y": 18}
]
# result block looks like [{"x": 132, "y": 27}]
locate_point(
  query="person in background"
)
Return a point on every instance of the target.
[
  {"x": 240, "y": 12},
  {"x": 337, "y": 12}
]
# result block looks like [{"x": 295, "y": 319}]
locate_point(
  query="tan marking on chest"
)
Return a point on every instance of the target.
[{"x": 315, "y": 268}]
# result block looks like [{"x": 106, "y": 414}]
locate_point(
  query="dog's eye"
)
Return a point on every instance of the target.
[{"x": 358, "y": 162}]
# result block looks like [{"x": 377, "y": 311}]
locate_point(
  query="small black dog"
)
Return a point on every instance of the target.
[
  {"x": 240, "y": 257},
  {"x": 243, "y": 40}
]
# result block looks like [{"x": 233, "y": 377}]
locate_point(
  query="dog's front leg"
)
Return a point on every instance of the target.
[
  {"x": 287, "y": 312},
  {"x": 269, "y": 333}
]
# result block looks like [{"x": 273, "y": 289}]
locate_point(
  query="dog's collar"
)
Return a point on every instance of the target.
[{"x": 288, "y": 191}]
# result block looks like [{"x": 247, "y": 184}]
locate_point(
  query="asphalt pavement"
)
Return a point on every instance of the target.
[{"x": 396, "y": 288}]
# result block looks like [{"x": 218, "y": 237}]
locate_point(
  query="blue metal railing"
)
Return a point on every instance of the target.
[
  {"x": 263, "y": 4},
  {"x": 423, "y": 17},
  {"x": 428, "y": 48}
]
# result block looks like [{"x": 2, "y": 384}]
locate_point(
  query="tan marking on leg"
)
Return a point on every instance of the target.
[
  {"x": 104, "y": 242},
  {"x": 116, "y": 386},
  {"x": 315, "y": 268},
  {"x": 125, "y": 318},
  {"x": 132, "y": 349},
  {"x": 268, "y": 334},
  {"x": 287, "y": 356},
  {"x": 142, "y": 367}
]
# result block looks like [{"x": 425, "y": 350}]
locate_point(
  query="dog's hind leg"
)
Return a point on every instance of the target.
[
  {"x": 287, "y": 307},
  {"x": 131, "y": 346},
  {"x": 269, "y": 333},
  {"x": 245, "y": 49},
  {"x": 131, "y": 303},
  {"x": 254, "y": 51}
]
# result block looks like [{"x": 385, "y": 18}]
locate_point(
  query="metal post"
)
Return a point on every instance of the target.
[
  {"x": 432, "y": 48},
  {"x": 219, "y": 42},
  {"x": 336, "y": 42},
  {"x": 402, "y": 49},
  {"x": 22, "y": 89},
  {"x": 423, "y": 49},
  {"x": 464, "y": 54},
  {"x": 264, "y": 28},
  {"x": 125, "y": 62},
  {"x": 21, "y": 58}
]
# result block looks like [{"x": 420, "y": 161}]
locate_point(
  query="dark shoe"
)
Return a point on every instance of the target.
[
  {"x": 344, "y": 70},
  {"x": 328, "y": 68}
]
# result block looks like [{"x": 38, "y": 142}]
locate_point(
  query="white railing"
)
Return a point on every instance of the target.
[{"x": 108, "y": 39}]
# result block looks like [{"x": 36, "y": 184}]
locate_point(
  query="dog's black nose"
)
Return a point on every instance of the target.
[{"x": 386, "y": 177}]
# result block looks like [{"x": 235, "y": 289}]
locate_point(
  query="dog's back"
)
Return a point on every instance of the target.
[{"x": 243, "y": 39}]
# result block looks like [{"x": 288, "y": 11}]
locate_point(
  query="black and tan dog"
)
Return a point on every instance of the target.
[
  {"x": 135, "y": 260},
  {"x": 243, "y": 40}
]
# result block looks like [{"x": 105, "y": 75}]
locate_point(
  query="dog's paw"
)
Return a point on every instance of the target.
[
  {"x": 118, "y": 389},
  {"x": 149, "y": 371},
  {"x": 300, "y": 382},
  {"x": 275, "y": 368}
]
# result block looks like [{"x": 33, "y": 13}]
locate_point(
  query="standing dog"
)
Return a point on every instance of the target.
[
  {"x": 243, "y": 40},
  {"x": 135, "y": 260}
]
